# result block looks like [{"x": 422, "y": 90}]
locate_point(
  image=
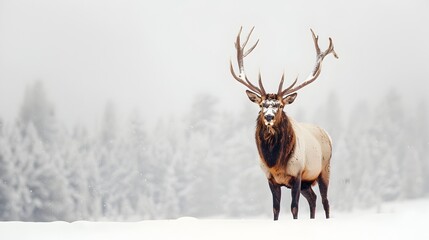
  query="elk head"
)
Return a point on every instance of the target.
[{"x": 272, "y": 104}]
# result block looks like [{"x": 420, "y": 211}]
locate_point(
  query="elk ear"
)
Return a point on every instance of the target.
[
  {"x": 253, "y": 97},
  {"x": 289, "y": 98}
]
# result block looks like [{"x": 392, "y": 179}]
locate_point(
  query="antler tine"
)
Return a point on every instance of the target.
[
  {"x": 251, "y": 49},
  {"x": 316, "y": 41},
  {"x": 279, "y": 91},
  {"x": 239, "y": 50},
  {"x": 317, "y": 68},
  {"x": 288, "y": 88},
  {"x": 260, "y": 84},
  {"x": 331, "y": 49},
  {"x": 241, "y": 77},
  {"x": 248, "y": 36},
  {"x": 247, "y": 40},
  {"x": 240, "y": 80}
]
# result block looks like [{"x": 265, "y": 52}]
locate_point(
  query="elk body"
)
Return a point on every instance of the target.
[{"x": 292, "y": 154}]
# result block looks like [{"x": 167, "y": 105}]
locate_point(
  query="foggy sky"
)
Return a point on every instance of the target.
[{"x": 155, "y": 56}]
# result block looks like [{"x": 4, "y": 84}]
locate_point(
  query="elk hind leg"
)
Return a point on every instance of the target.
[
  {"x": 323, "y": 187},
  {"x": 311, "y": 197}
]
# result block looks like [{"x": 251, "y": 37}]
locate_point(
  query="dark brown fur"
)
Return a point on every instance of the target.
[{"x": 275, "y": 144}]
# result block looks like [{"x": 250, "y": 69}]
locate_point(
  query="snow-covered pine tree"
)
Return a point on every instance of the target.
[
  {"x": 8, "y": 198},
  {"x": 106, "y": 146},
  {"x": 38, "y": 110},
  {"x": 137, "y": 151},
  {"x": 45, "y": 196}
]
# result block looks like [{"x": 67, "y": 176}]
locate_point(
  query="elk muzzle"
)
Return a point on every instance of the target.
[{"x": 269, "y": 116}]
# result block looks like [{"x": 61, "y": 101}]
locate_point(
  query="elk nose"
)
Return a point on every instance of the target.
[{"x": 269, "y": 118}]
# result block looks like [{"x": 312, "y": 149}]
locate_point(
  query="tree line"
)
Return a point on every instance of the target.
[{"x": 204, "y": 166}]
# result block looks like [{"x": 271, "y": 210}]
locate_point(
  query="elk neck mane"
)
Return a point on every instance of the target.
[{"x": 277, "y": 144}]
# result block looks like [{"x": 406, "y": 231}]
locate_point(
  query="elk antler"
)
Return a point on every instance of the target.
[
  {"x": 316, "y": 71},
  {"x": 241, "y": 77}
]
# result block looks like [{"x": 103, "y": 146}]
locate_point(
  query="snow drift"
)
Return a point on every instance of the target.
[{"x": 391, "y": 221}]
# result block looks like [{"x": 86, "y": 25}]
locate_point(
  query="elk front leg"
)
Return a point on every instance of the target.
[
  {"x": 277, "y": 193},
  {"x": 296, "y": 191}
]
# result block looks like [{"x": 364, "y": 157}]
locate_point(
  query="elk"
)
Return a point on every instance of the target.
[{"x": 292, "y": 154}]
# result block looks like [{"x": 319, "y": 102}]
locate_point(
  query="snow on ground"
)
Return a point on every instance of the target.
[{"x": 405, "y": 220}]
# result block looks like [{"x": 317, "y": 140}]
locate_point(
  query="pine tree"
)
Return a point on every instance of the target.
[
  {"x": 44, "y": 190},
  {"x": 329, "y": 117},
  {"x": 74, "y": 154},
  {"x": 106, "y": 146},
  {"x": 389, "y": 152},
  {"x": 201, "y": 142},
  {"x": 8, "y": 198},
  {"x": 420, "y": 136},
  {"x": 38, "y": 110},
  {"x": 136, "y": 151},
  {"x": 246, "y": 191}
]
